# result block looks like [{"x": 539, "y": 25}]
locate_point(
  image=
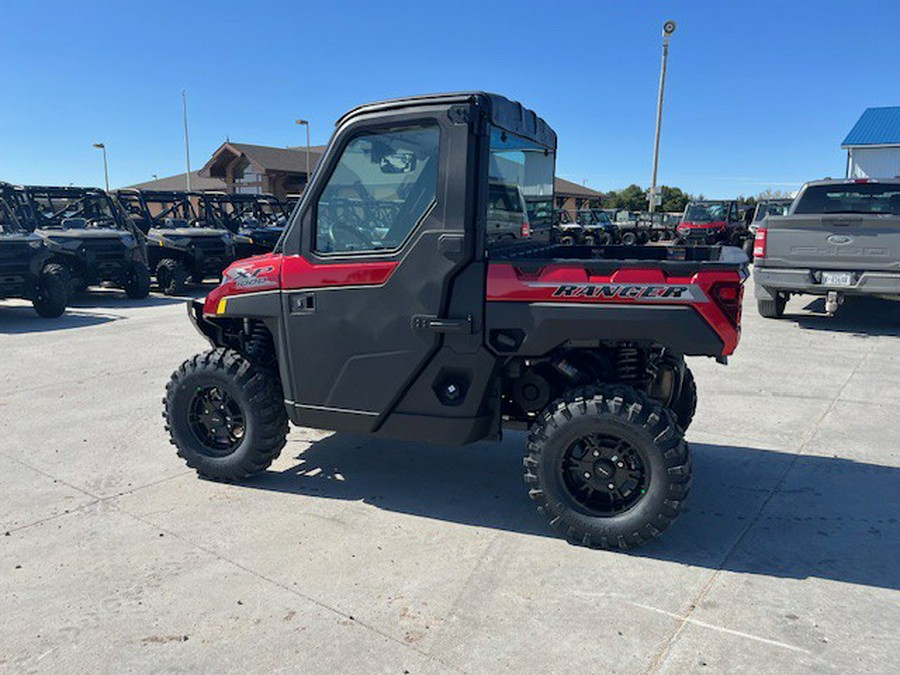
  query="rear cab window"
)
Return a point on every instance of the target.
[{"x": 871, "y": 198}]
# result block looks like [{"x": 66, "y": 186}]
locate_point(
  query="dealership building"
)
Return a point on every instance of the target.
[
  {"x": 262, "y": 169},
  {"x": 873, "y": 144}
]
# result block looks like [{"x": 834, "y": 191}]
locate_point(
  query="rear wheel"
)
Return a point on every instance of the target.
[
  {"x": 629, "y": 239},
  {"x": 225, "y": 415},
  {"x": 137, "y": 285},
  {"x": 608, "y": 467},
  {"x": 772, "y": 309},
  {"x": 590, "y": 240},
  {"x": 54, "y": 288},
  {"x": 171, "y": 276},
  {"x": 567, "y": 240},
  {"x": 685, "y": 404},
  {"x": 605, "y": 239}
]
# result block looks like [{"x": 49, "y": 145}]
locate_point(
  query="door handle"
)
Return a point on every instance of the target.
[
  {"x": 302, "y": 303},
  {"x": 433, "y": 324}
]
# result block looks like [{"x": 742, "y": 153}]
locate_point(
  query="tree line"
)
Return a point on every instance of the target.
[{"x": 674, "y": 199}]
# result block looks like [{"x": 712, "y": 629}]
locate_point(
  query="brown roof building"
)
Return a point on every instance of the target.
[{"x": 246, "y": 168}]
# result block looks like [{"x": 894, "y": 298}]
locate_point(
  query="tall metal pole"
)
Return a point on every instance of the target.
[
  {"x": 187, "y": 149},
  {"x": 306, "y": 124},
  {"x": 102, "y": 147},
  {"x": 668, "y": 29}
]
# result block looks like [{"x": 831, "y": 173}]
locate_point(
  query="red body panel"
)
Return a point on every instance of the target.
[
  {"x": 574, "y": 284},
  {"x": 274, "y": 271},
  {"x": 719, "y": 225}
]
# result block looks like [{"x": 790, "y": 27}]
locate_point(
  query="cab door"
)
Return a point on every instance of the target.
[{"x": 382, "y": 239}]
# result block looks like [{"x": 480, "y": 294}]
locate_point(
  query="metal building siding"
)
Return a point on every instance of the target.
[
  {"x": 877, "y": 126},
  {"x": 875, "y": 162}
]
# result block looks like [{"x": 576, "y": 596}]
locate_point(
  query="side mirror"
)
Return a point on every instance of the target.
[{"x": 398, "y": 162}]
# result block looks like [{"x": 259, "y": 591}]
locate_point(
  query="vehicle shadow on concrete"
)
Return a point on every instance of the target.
[
  {"x": 860, "y": 315},
  {"x": 19, "y": 320},
  {"x": 830, "y": 518},
  {"x": 114, "y": 299}
]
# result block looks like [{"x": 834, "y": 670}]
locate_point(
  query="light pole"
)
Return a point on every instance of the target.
[
  {"x": 306, "y": 124},
  {"x": 668, "y": 29},
  {"x": 102, "y": 147},
  {"x": 187, "y": 151}
]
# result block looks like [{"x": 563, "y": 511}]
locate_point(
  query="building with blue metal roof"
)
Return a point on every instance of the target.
[{"x": 873, "y": 144}]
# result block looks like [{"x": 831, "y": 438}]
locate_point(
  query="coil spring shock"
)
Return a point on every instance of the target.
[{"x": 628, "y": 362}]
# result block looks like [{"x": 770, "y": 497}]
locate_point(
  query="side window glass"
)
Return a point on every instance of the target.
[{"x": 380, "y": 188}]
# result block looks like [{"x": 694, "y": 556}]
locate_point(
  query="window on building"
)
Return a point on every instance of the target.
[{"x": 382, "y": 186}]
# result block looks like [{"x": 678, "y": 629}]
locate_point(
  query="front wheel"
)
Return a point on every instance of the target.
[
  {"x": 629, "y": 239},
  {"x": 137, "y": 285},
  {"x": 54, "y": 288},
  {"x": 608, "y": 467},
  {"x": 171, "y": 276},
  {"x": 225, "y": 415}
]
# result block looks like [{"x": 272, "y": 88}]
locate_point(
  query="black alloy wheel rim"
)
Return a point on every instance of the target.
[
  {"x": 604, "y": 474},
  {"x": 216, "y": 420}
]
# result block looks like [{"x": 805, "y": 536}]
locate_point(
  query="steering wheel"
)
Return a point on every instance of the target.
[{"x": 336, "y": 231}]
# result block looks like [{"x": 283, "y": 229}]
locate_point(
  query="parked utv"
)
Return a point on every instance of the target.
[
  {"x": 597, "y": 228},
  {"x": 256, "y": 221},
  {"x": 88, "y": 235},
  {"x": 565, "y": 230},
  {"x": 26, "y": 270},
  {"x": 712, "y": 222},
  {"x": 181, "y": 245},
  {"x": 433, "y": 329}
]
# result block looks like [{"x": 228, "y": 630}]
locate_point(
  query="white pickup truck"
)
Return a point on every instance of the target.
[{"x": 839, "y": 238}]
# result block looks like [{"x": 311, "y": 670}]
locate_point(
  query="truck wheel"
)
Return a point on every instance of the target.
[
  {"x": 629, "y": 239},
  {"x": 137, "y": 285},
  {"x": 171, "y": 276},
  {"x": 54, "y": 288},
  {"x": 225, "y": 416},
  {"x": 685, "y": 405},
  {"x": 772, "y": 309},
  {"x": 608, "y": 467}
]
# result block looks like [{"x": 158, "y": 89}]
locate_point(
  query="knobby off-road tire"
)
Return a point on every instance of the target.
[
  {"x": 54, "y": 289},
  {"x": 772, "y": 309},
  {"x": 685, "y": 404},
  {"x": 748, "y": 248},
  {"x": 623, "y": 427},
  {"x": 629, "y": 239},
  {"x": 137, "y": 285},
  {"x": 171, "y": 276},
  {"x": 225, "y": 415}
]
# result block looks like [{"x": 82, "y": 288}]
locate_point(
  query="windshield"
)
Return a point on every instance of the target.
[
  {"x": 520, "y": 199},
  {"x": 73, "y": 209},
  {"x": 705, "y": 213},
  {"x": 851, "y": 198},
  {"x": 771, "y": 209},
  {"x": 171, "y": 212}
]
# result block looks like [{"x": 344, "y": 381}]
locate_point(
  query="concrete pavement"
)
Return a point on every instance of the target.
[{"x": 356, "y": 555}]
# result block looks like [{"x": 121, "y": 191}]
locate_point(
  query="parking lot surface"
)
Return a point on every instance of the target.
[{"x": 364, "y": 556}]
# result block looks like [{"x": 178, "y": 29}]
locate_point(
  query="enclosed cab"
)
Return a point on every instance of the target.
[
  {"x": 392, "y": 308},
  {"x": 256, "y": 221},
  {"x": 711, "y": 222},
  {"x": 89, "y": 235},
  {"x": 763, "y": 209},
  {"x": 181, "y": 245},
  {"x": 26, "y": 269}
]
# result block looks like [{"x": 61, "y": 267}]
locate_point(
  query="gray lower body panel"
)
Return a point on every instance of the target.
[{"x": 804, "y": 281}]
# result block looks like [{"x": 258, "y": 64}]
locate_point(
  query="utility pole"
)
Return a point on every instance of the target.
[
  {"x": 668, "y": 29},
  {"x": 187, "y": 149},
  {"x": 102, "y": 146},
  {"x": 306, "y": 124}
]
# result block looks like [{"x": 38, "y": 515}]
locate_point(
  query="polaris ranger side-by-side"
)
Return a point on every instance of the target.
[
  {"x": 427, "y": 328},
  {"x": 256, "y": 221},
  {"x": 711, "y": 222},
  {"x": 180, "y": 245},
  {"x": 26, "y": 270},
  {"x": 87, "y": 234}
]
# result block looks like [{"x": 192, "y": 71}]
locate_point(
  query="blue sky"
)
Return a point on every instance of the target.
[{"x": 759, "y": 94}]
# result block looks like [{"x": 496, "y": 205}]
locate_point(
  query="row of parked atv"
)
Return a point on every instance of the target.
[
  {"x": 56, "y": 241},
  {"x": 602, "y": 227}
]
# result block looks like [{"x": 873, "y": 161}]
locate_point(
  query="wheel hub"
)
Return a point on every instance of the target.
[
  {"x": 216, "y": 420},
  {"x": 604, "y": 474}
]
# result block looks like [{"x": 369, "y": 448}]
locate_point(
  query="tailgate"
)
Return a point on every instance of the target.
[{"x": 839, "y": 242}]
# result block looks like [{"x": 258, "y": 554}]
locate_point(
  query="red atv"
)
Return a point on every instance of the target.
[
  {"x": 391, "y": 308},
  {"x": 713, "y": 222}
]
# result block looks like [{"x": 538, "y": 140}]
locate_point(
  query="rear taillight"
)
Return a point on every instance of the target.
[
  {"x": 526, "y": 229},
  {"x": 728, "y": 296},
  {"x": 759, "y": 244}
]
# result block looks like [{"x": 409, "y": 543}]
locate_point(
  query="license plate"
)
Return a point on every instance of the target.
[{"x": 837, "y": 279}]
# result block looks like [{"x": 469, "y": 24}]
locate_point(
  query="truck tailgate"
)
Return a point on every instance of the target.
[{"x": 838, "y": 242}]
